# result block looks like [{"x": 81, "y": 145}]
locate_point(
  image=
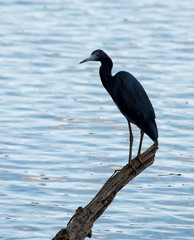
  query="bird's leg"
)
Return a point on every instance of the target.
[
  {"x": 130, "y": 146},
  {"x": 130, "y": 142},
  {"x": 140, "y": 145}
]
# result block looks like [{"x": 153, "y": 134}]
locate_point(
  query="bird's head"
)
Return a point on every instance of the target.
[{"x": 96, "y": 55}]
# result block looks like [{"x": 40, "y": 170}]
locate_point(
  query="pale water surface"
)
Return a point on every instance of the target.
[{"x": 61, "y": 136}]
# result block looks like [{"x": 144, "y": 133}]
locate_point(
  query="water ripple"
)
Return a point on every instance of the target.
[{"x": 61, "y": 134}]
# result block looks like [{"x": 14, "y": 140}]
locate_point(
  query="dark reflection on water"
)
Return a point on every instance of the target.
[{"x": 61, "y": 135}]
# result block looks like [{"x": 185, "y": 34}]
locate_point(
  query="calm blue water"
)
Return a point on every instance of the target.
[{"x": 61, "y": 136}]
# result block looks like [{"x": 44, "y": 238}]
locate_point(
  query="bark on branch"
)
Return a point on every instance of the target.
[{"x": 80, "y": 225}]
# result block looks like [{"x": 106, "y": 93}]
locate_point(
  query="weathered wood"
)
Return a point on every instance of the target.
[{"x": 80, "y": 226}]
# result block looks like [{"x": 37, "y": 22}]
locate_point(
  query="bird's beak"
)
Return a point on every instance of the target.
[{"x": 91, "y": 58}]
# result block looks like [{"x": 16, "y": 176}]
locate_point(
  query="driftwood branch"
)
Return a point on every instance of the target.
[{"x": 80, "y": 225}]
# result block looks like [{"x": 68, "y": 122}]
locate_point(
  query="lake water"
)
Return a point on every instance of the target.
[{"x": 61, "y": 136}]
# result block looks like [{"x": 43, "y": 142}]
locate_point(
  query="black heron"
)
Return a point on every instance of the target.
[{"x": 130, "y": 97}]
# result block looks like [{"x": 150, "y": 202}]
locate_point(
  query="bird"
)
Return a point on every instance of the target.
[{"x": 130, "y": 97}]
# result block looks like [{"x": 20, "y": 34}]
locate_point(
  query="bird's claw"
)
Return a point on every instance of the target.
[
  {"x": 115, "y": 172},
  {"x": 139, "y": 158},
  {"x": 131, "y": 165}
]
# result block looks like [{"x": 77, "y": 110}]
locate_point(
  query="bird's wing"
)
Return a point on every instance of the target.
[{"x": 131, "y": 98}]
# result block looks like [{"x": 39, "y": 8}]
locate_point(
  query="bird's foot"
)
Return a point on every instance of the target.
[
  {"x": 131, "y": 165},
  {"x": 139, "y": 158}
]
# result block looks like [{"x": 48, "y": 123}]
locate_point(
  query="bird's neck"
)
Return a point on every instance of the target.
[{"x": 105, "y": 71}]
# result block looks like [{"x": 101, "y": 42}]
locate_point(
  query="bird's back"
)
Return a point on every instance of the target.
[{"x": 133, "y": 102}]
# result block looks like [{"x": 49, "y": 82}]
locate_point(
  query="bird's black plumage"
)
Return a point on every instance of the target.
[
  {"x": 138, "y": 109},
  {"x": 128, "y": 94}
]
